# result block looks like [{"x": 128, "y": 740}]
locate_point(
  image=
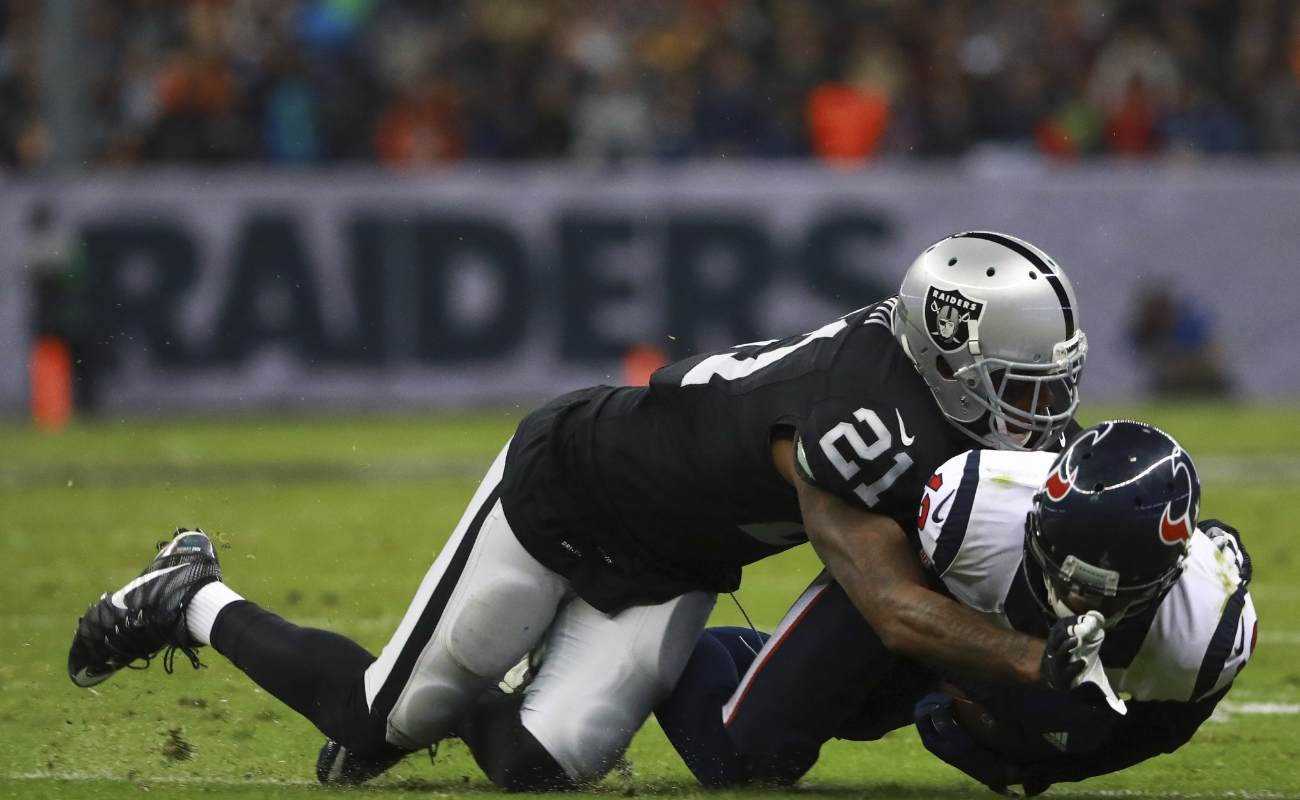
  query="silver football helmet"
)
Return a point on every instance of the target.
[{"x": 992, "y": 324}]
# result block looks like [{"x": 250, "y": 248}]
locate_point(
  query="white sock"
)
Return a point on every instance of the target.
[{"x": 201, "y": 613}]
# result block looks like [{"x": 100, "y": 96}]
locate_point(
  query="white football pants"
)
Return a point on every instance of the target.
[{"x": 484, "y": 604}]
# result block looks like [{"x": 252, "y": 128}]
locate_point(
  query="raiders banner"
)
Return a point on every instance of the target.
[{"x": 488, "y": 285}]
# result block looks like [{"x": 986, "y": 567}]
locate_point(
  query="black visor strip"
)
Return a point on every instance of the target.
[{"x": 1052, "y": 278}]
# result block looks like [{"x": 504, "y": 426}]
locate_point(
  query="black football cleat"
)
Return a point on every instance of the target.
[
  {"x": 147, "y": 614},
  {"x": 338, "y": 766}
]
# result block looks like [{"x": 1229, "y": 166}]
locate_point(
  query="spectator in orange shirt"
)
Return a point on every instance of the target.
[
  {"x": 847, "y": 119},
  {"x": 421, "y": 126}
]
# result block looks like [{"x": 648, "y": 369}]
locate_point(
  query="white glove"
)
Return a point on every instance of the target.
[
  {"x": 1089, "y": 634},
  {"x": 1072, "y": 657}
]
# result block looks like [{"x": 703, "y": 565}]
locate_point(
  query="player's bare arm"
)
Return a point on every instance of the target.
[{"x": 870, "y": 557}]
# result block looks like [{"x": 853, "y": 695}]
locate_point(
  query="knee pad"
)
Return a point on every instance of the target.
[
  {"x": 588, "y": 741},
  {"x": 495, "y": 626}
]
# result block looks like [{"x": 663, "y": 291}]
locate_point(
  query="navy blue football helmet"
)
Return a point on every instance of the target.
[{"x": 1112, "y": 524}]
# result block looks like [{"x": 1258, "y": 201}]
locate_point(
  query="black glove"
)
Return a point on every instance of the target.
[{"x": 1066, "y": 656}]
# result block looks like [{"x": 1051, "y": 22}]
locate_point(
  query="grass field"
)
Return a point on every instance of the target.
[{"x": 332, "y": 522}]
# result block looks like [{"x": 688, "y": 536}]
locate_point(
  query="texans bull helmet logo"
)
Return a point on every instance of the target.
[
  {"x": 1179, "y": 516},
  {"x": 1061, "y": 480},
  {"x": 948, "y": 315}
]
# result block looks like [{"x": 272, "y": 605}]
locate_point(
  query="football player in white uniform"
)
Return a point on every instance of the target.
[
  {"x": 1109, "y": 527},
  {"x": 1108, "y": 530}
]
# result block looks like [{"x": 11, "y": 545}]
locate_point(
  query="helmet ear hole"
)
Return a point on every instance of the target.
[{"x": 945, "y": 369}]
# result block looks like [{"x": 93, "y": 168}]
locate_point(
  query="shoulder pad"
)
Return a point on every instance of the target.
[{"x": 1203, "y": 633}]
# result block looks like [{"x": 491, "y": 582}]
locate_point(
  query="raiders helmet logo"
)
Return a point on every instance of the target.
[{"x": 948, "y": 314}]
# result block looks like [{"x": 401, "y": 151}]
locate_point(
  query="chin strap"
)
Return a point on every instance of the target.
[
  {"x": 1015, "y": 441},
  {"x": 1055, "y": 603}
]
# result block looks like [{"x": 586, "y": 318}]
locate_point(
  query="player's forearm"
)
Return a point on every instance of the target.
[
  {"x": 914, "y": 621},
  {"x": 930, "y": 627},
  {"x": 871, "y": 558},
  {"x": 1148, "y": 730}
]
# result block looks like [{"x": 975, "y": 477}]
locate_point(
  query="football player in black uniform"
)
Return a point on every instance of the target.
[
  {"x": 1107, "y": 528},
  {"x": 613, "y": 517}
]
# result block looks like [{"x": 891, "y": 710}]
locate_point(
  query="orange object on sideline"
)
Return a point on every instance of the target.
[
  {"x": 846, "y": 123},
  {"x": 640, "y": 361},
  {"x": 51, "y": 376}
]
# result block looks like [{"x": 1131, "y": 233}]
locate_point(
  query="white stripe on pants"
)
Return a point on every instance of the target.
[{"x": 499, "y": 607}]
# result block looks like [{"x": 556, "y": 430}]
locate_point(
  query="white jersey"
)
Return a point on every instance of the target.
[{"x": 972, "y": 531}]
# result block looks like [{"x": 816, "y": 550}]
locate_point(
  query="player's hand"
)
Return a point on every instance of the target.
[
  {"x": 1066, "y": 655},
  {"x": 1228, "y": 540},
  {"x": 1072, "y": 658}
]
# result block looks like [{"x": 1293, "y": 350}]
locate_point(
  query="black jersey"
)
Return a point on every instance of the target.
[{"x": 637, "y": 494}]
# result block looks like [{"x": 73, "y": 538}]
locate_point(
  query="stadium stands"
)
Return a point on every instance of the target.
[{"x": 410, "y": 84}]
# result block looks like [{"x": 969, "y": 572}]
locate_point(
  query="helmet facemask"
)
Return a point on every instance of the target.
[
  {"x": 1028, "y": 404},
  {"x": 1074, "y": 586}
]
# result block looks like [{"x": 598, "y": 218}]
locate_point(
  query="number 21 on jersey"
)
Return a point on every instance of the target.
[{"x": 882, "y": 441}]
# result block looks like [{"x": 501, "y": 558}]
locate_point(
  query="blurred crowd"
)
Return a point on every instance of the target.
[{"x": 410, "y": 83}]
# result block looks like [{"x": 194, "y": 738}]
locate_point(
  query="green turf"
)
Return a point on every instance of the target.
[{"x": 333, "y": 522}]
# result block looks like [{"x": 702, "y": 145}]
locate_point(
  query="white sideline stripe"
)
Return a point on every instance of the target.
[
  {"x": 1249, "y": 468},
  {"x": 1260, "y": 708},
  {"x": 1280, "y": 637},
  {"x": 1225, "y": 711},
  {"x": 1242, "y": 794}
]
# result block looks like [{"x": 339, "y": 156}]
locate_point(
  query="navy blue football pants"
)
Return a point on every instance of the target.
[{"x": 739, "y": 717}]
